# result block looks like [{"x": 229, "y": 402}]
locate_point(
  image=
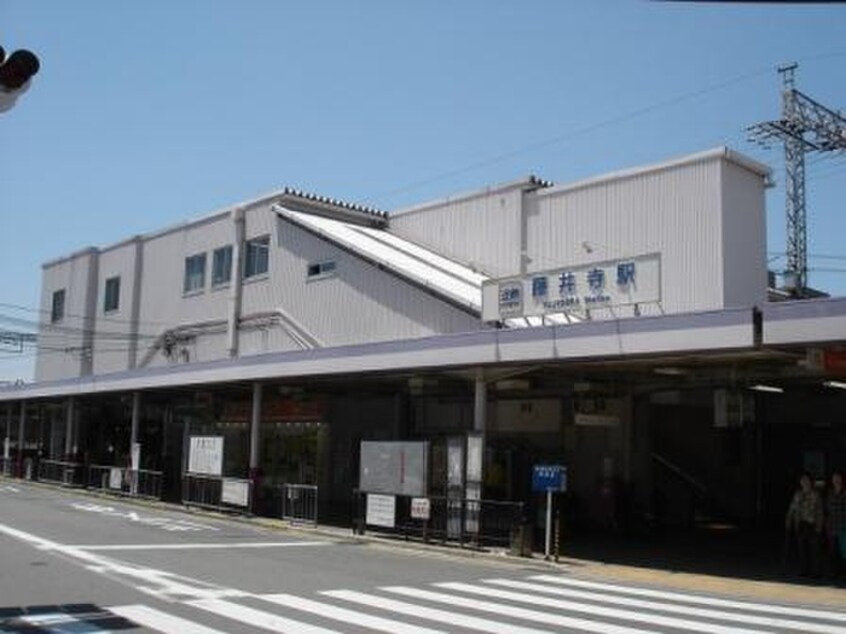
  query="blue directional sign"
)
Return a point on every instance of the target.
[{"x": 549, "y": 477}]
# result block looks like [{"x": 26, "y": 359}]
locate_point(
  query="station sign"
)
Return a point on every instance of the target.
[
  {"x": 549, "y": 478},
  {"x": 574, "y": 290}
]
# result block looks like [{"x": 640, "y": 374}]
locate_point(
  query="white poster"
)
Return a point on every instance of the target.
[
  {"x": 116, "y": 478},
  {"x": 206, "y": 455},
  {"x": 135, "y": 457},
  {"x": 381, "y": 510},
  {"x": 420, "y": 508},
  {"x": 6, "y": 444},
  {"x": 235, "y": 492}
]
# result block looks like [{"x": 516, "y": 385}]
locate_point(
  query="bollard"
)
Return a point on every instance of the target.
[{"x": 557, "y": 533}]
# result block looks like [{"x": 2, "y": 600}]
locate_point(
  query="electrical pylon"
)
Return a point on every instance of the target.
[{"x": 805, "y": 126}]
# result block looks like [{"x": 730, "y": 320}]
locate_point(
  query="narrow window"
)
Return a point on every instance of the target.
[
  {"x": 195, "y": 273},
  {"x": 256, "y": 256},
  {"x": 222, "y": 266},
  {"x": 57, "y": 312},
  {"x": 112, "y": 299},
  {"x": 317, "y": 270}
]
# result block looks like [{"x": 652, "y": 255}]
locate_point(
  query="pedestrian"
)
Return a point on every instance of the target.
[
  {"x": 805, "y": 521},
  {"x": 835, "y": 526}
]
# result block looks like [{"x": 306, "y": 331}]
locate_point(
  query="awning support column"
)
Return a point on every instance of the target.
[
  {"x": 69, "y": 407},
  {"x": 134, "y": 458},
  {"x": 21, "y": 424},
  {"x": 255, "y": 439}
]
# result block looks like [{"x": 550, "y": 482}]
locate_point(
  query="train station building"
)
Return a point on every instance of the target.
[{"x": 622, "y": 326}]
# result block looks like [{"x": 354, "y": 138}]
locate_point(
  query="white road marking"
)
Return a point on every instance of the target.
[
  {"x": 434, "y": 614},
  {"x": 160, "y": 621},
  {"x": 196, "y": 546},
  {"x": 553, "y": 619},
  {"x": 258, "y": 618},
  {"x": 158, "y": 582},
  {"x": 692, "y": 598},
  {"x": 345, "y": 615},
  {"x": 165, "y": 523},
  {"x": 9, "y": 488},
  {"x": 705, "y": 613}
]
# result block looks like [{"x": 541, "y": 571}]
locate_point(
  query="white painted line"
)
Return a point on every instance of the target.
[
  {"x": 654, "y": 620},
  {"x": 159, "y": 583},
  {"x": 692, "y": 598},
  {"x": 160, "y": 621},
  {"x": 433, "y": 614},
  {"x": 198, "y": 546},
  {"x": 257, "y": 618},
  {"x": 347, "y": 616},
  {"x": 705, "y": 613}
]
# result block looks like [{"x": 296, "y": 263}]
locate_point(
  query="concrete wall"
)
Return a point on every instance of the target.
[
  {"x": 704, "y": 215},
  {"x": 481, "y": 230},
  {"x": 62, "y": 345},
  {"x": 675, "y": 212},
  {"x": 158, "y": 324},
  {"x": 360, "y": 303}
]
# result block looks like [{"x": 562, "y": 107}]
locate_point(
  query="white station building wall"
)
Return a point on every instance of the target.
[{"x": 703, "y": 214}]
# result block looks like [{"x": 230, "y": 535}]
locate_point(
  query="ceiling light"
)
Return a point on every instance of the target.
[
  {"x": 839, "y": 385},
  {"x": 766, "y": 388},
  {"x": 670, "y": 371}
]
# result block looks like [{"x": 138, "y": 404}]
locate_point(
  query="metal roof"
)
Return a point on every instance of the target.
[{"x": 458, "y": 283}]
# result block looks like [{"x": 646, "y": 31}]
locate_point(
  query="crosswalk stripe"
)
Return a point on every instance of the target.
[
  {"x": 693, "y": 598},
  {"x": 543, "y": 617},
  {"x": 751, "y": 619},
  {"x": 160, "y": 621},
  {"x": 432, "y": 614},
  {"x": 257, "y": 618},
  {"x": 348, "y": 616}
]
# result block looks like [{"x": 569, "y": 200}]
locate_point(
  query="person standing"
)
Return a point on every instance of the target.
[
  {"x": 805, "y": 520},
  {"x": 835, "y": 525}
]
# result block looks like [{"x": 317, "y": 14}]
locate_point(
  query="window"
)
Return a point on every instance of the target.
[
  {"x": 255, "y": 257},
  {"x": 57, "y": 312},
  {"x": 317, "y": 270},
  {"x": 222, "y": 266},
  {"x": 112, "y": 299},
  {"x": 195, "y": 273}
]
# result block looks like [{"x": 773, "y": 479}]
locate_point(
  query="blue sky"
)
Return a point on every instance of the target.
[{"x": 148, "y": 113}]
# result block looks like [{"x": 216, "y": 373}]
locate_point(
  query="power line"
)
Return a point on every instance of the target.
[
  {"x": 99, "y": 318},
  {"x": 672, "y": 101}
]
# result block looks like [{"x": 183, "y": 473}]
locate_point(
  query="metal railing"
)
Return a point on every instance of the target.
[
  {"x": 141, "y": 483},
  {"x": 466, "y": 522},
  {"x": 216, "y": 492},
  {"x": 61, "y": 472},
  {"x": 299, "y": 503}
]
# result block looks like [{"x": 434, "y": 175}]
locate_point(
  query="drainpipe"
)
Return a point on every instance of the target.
[
  {"x": 135, "y": 315},
  {"x": 235, "y": 284}
]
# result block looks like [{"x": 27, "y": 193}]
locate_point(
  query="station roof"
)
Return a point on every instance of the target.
[
  {"x": 730, "y": 331},
  {"x": 458, "y": 283}
]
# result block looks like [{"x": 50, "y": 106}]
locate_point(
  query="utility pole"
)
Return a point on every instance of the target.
[{"x": 805, "y": 126}]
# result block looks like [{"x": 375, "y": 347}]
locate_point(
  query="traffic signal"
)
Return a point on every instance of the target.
[{"x": 15, "y": 74}]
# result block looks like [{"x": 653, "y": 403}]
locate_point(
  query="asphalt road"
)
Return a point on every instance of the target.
[{"x": 74, "y": 563}]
